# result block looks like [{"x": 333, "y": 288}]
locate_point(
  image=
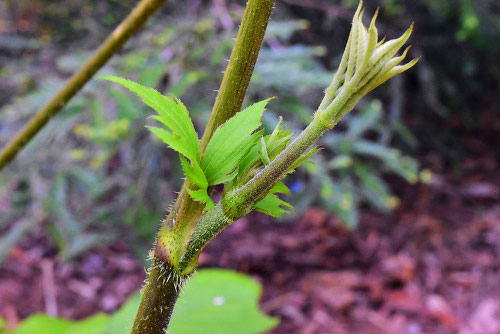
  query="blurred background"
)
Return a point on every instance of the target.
[{"x": 397, "y": 225}]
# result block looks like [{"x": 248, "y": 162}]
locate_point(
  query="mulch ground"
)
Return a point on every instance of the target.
[{"x": 430, "y": 267}]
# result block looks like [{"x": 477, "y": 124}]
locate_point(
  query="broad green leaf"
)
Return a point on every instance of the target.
[
  {"x": 272, "y": 205},
  {"x": 171, "y": 113},
  {"x": 231, "y": 142},
  {"x": 95, "y": 324},
  {"x": 44, "y": 324},
  {"x": 214, "y": 301},
  {"x": 251, "y": 159},
  {"x": 220, "y": 302},
  {"x": 182, "y": 136}
]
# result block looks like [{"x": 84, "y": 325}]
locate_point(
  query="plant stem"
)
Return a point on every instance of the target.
[
  {"x": 241, "y": 201},
  {"x": 134, "y": 21},
  {"x": 154, "y": 312},
  {"x": 158, "y": 300},
  {"x": 239, "y": 70}
]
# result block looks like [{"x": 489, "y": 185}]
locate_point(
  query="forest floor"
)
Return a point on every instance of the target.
[{"x": 432, "y": 266}]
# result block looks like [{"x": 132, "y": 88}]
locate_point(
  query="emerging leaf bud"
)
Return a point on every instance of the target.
[{"x": 366, "y": 64}]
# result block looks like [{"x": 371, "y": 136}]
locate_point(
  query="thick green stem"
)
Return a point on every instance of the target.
[
  {"x": 365, "y": 65},
  {"x": 240, "y": 67},
  {"x": 178, "y": 226},
  {"x": 241, "y": 201},
  {"x": 159, "y": 297},
  {"x": 211, "y": 224}
]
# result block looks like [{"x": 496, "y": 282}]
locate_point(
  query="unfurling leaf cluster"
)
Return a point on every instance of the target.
[
  {"x": 237, "y": 151},
  {"x": 367, "y": 63}
]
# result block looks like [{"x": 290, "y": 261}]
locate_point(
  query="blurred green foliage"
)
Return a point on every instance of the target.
[{"x": 213, "y": 301}]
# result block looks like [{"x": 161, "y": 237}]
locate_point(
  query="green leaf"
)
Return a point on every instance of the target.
[
  {"x": 302, "y": 159},
  {"x": 231, "y": 142},
  {"x": 201, "y": 195},
  {"x": 275, "y": 143},
  {"x": 195, "y": 174},
  {"x": 222, "y": 302},
  {"x": 272, "y": 205},
  {"x": 44, "y": 324},
  {"x": 172, "y": 113},
  {"x": 278, "y": 140},
  {"x": 264, "y": 156},
  {"x": 182, "y": 136},
  {"x": 213, "y": 301}
]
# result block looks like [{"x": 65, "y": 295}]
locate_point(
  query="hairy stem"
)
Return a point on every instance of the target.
[
  {"x": 136, "y": 19},
  {"x": 159, "y": 297},
  {"x": 240, "y": 67},
  {"x": 185, "y": 214}
]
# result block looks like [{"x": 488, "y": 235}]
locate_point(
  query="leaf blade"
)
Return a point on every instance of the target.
[
  {"x": 171, "y": 113},
  {"x": 231, "y": 142}
]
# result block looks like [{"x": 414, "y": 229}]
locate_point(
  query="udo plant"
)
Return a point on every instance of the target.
[{"x": 247, "y": 165}]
